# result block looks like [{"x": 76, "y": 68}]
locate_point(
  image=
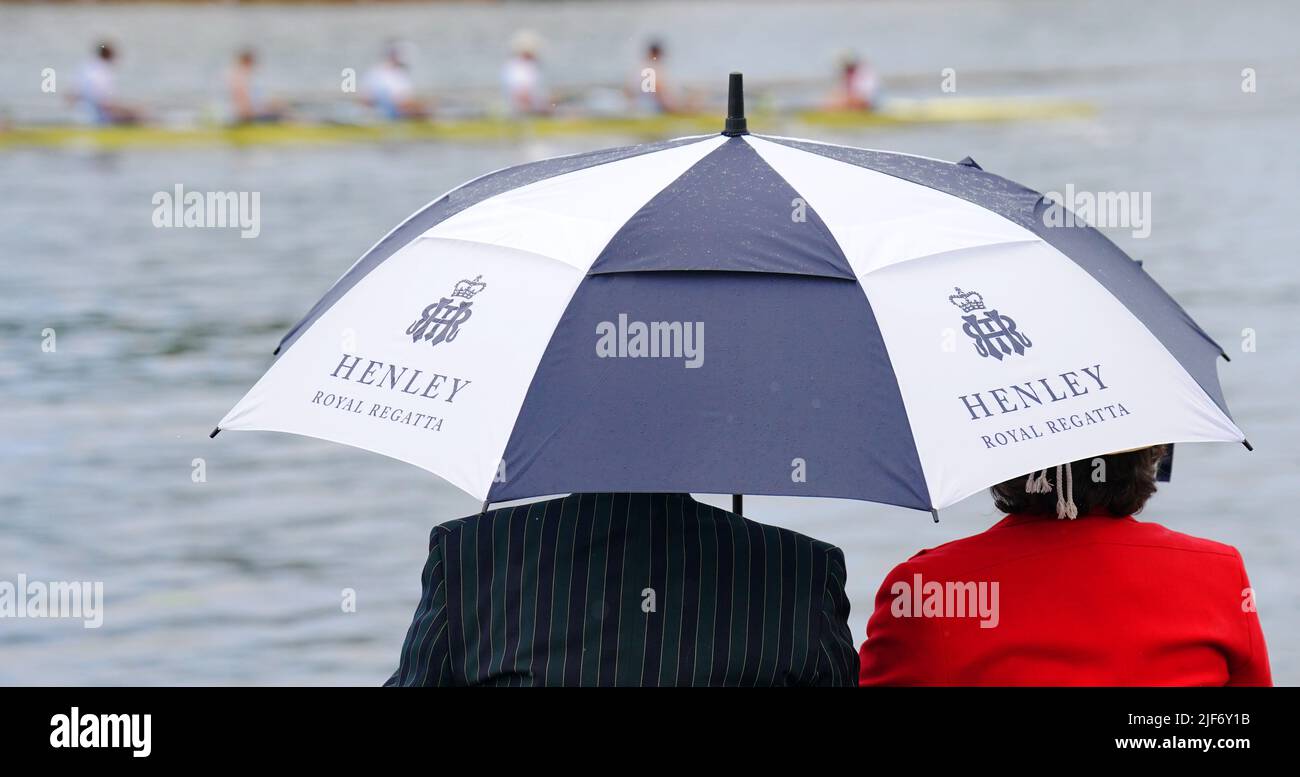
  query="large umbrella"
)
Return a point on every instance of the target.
[{"x": 739, "y": 313}]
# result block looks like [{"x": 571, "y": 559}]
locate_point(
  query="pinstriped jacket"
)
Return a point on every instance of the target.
[{"x": 627, "y": 590}]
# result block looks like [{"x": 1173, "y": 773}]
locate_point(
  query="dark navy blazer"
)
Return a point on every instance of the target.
[{"x": 628, "y": 590}]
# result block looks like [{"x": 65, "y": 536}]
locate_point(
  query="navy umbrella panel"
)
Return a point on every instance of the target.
[{"x": 742, "y": 314}]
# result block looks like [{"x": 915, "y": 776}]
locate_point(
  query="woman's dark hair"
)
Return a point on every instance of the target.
[{"x": 1117, "y": 484}]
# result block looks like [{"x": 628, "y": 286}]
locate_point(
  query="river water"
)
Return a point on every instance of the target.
[{"x": 239, "y": 577}]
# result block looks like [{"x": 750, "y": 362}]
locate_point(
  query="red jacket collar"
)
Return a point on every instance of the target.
[{"x": 1018, "y": 519}]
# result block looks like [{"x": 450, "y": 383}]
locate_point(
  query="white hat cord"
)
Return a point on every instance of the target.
[{"x": 1037, "y": 483}]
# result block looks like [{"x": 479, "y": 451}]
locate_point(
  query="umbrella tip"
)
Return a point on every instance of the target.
[
  {"x": 736, "y": 124},
  {"x": 214, "y": 432},
  {"x": 1249, "y": 447},
  {"x": 935, "y": 514}
]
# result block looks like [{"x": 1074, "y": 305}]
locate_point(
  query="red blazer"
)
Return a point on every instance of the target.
[{"x": 1095, "y": 601}]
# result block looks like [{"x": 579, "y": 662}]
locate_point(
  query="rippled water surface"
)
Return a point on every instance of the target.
[{"x": 238, "y": 579}]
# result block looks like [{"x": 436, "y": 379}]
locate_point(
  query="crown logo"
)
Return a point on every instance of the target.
[
  {"x": 468, "y": 289},
  {"x": 967, "y": 301}
]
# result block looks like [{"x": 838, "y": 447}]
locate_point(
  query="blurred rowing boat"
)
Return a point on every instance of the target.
[{"x": 895, "y": 112}]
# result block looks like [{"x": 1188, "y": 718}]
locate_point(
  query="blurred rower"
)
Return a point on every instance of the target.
[
  {"x": 96, "y": 90},
  {"x": 648, "y": 92},
  {"x": 857, "y": 87},
  {"x": 388, "y": 87},
  {"x": 521, "y": 77},
  {"x": 247, "y": 103}
]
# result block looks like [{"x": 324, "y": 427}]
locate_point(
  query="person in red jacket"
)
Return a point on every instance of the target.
[{"x": 1070, "y": 589}]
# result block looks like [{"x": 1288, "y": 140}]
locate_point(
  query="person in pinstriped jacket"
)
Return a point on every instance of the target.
[{"x": 627, "y": 590}]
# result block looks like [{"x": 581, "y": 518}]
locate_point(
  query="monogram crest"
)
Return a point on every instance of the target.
[
  {"x": 994, "y": 334},
  {"x": 441, "y": 321}
]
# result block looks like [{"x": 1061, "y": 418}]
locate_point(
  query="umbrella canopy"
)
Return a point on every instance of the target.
[{"x": 738, "y": 313}]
